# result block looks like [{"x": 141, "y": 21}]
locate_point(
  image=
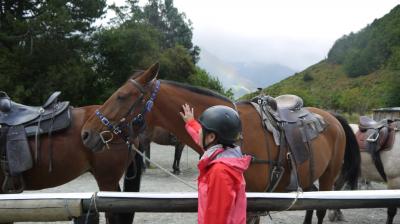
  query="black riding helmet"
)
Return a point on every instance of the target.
[{"x": 223, "y": 121}]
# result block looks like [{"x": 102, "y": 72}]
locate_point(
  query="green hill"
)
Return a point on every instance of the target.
[{"x": 362, "y": 71}]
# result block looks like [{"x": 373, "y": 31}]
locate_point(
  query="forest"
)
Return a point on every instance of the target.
[{"x": 47, "y": 46}]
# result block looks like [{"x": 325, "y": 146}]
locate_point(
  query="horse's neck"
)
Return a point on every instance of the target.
[
  {"x": 83, "y": 113},
  {"x": 169, "y": 103}
]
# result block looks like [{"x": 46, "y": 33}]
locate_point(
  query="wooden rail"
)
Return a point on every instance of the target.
[{"x": 64, "y": 206}]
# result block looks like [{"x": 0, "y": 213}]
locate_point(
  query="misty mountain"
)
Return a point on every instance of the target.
[{"x": 243, "y": 77}]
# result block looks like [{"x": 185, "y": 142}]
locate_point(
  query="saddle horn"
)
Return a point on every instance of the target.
[{"x": 5, "y": 102}]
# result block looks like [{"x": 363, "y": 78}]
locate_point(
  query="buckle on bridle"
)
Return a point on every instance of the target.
[
  {"x": 104, "y": 139},
  {"x": 117, "y": 131}
]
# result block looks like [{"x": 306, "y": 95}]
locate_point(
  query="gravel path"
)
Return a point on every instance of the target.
[{"x": 154, "y": 180}]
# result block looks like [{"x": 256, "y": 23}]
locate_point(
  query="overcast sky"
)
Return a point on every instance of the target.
[{"x": 296, "y": 33}]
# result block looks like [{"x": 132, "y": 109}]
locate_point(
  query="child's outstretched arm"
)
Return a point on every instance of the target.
[{"x": 192, "y": 126}]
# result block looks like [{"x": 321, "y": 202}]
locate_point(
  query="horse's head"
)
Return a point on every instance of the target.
[{"x": 122, "y": 115}]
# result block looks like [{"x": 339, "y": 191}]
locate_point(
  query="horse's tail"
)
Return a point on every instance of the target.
[{"x": 352, "y": 158}]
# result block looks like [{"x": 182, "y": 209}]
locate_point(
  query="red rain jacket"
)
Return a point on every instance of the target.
[{"x": 221, "y": 185}]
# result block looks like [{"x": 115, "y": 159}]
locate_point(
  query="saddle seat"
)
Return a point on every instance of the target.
[
  {"x": 290, "y": 108},
  {"x": 374, "y": 136},
  {"x": 13, "y": 113},
  {"x": 369, "y": 123}
]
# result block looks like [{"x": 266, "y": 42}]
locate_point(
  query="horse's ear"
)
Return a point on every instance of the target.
[{"x": 151, "y": 73}]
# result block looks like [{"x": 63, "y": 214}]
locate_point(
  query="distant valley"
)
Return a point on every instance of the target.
[{"x": 243, "y": 77}]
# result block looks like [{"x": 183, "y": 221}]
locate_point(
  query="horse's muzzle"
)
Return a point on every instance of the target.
[{"x": 92, "y": 140}]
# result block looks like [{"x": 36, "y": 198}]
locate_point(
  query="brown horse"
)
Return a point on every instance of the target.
[
  {"x": 145, "y": 100},
  {"x": 162, "y": 137},
  {"x": 70, "y": 159}
]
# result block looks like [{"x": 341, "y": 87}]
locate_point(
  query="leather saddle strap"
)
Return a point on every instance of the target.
[
  {"x": 309, "y": 148},
  {"x": 49, "y": 136},
  {"x": 278, "y": 170},
  {"x": 37, "y": 140}
]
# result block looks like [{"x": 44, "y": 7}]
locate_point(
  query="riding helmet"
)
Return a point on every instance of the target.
[{"x": 223, "y": 121}]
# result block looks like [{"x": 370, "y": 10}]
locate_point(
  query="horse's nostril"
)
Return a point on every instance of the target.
[{"x": 85, "y": 135}]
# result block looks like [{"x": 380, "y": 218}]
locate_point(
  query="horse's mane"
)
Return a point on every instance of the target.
[{"x": 199, "y": 90}]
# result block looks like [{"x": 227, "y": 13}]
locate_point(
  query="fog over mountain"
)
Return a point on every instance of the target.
[{"x": 243, "y": 77}]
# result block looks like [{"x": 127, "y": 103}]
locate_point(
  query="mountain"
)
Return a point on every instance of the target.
[
  {"x": 243, "y": 77},
  {"x": 362, "y": 71}
]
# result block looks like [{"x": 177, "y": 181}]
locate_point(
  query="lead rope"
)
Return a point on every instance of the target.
[
  {"x": 92, "y": 203},
  {"x": 268, "y": 213},
  {"x": 162, "y": 168}
]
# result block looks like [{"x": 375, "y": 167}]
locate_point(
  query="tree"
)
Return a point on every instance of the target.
[
  {"x": 47, "y": 42},
  {"x": 156, "y": 32},
  {"x": 172, "y": 24}
]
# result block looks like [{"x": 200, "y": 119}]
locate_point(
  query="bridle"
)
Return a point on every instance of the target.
[{"x": 137, "y": 120}]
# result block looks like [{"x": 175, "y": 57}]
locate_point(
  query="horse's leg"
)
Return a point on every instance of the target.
[
  {"x": 132, "y": 181},
  {"x": 309, "y": 213},
  {"x": 336, "y": 215},
  {"x": 393, "y": 183},
  {"x": 177, "y": 158},
  {"x": 87, "y": 218},
  {"x": 252, "y": 219},
  {"x": 391, "y": 212},
  {"x": 326, "y": 183},
  {"x": 110, "y": 182}
]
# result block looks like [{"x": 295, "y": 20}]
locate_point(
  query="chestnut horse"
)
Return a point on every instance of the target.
[
  {"x": 70, "y": 159},
  {"x": 144, "y": 100},
  {"x": 162, "y": 137}
]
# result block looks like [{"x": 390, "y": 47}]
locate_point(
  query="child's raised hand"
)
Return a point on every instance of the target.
[{"x": 187, "y": 113}]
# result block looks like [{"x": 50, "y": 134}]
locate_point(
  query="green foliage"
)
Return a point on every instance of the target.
[
  {"x": 51, "y": 45},
  {"x": 332, "y": 89},
  {"x": 142, "y": 36},
  {"x": 203, "y": 79},
  {"x": 307, "y": 77},
  {"x": 372, "y": 48},
  {"x": 173, "y": 25},
  {"x": 121, "y": 50},
  {"x": 176, "y": 64},
  {"x": 39, "y": 39}
]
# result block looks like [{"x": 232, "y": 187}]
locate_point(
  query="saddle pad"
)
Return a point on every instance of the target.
[{"x": 18, "y": 154}]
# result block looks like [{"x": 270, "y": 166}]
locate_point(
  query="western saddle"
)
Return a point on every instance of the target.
[
  {"x": 293, "y": 128},
  {"x": 17, "y": 123},
  {"x": 375, "y": 136}
]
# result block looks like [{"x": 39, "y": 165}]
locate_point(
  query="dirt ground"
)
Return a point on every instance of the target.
[{"x": 155, "y": 180}]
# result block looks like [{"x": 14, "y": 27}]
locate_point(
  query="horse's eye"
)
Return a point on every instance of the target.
[{"x": 122, "y": 96}]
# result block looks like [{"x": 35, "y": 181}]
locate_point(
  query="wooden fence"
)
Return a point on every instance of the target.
[{"x": 64, "y": 206}]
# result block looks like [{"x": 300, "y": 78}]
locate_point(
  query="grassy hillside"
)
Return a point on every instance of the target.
[{"x": 362, "y": 71}]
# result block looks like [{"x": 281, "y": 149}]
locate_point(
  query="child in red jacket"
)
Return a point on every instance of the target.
[{"x": 221, "y": 185}]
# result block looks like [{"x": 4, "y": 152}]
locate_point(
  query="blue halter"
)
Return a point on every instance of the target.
[{"x": 138, "y": 120}]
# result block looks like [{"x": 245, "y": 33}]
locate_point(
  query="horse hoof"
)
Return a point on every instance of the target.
[
  {"x": 176, "y": 172},
  {"x": 336, "y": 216}
]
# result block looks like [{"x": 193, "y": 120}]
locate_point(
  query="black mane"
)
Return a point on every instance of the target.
[{"x": 199, "y": 90}]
